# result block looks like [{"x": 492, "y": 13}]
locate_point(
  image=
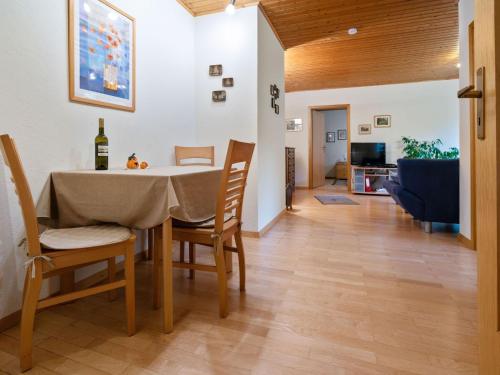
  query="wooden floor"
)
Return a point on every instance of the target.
[{"x": 330, "y": 290}]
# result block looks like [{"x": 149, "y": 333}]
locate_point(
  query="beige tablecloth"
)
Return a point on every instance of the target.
[{"x": 133, "y": 198}]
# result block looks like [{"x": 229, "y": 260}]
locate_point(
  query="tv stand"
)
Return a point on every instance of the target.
[{"x": 370, "y": 180}]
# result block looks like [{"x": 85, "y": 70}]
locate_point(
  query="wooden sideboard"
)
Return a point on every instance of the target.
[
  {"x": 341, "y": 170},
  {"x": 290, "y": 166}
]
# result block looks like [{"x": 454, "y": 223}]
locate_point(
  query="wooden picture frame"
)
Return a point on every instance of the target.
[
  {"x": 382, "y": 121},
  {"x": 107, "y": 78},
  {"x": 364, "y": 129},
  {"x": 219, "y": 96},
  {"x": 228, "y": 82},
  {"x": 215, "y": 70}
]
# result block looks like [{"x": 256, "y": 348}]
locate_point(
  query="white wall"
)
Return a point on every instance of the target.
[
  {"x": 335, "y": 151},
  {"x": 232, "y": 42},
  {"x": 465, "y": 17},
  {"x": 52, "y": 133},
  {"x": 271, "y": 127},
  {"x": 244, "y": 44},
  {"x": 424, "y": 110}
]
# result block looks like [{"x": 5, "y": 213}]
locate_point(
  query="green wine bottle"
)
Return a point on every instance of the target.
[{"x": 101, "y": 148}]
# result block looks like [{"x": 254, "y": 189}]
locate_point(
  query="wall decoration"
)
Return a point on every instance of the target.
[
  {"x": 219, "y": 96},
  {"x": 215, "y": 70},
  {"x": 275, "y": 91},
  {"x": 227, "y": 82},
  {"x": 294, "y": 125},
  {"x": 342, "y": 134},
  {"x": 382, "y": 121},
  {"x": 101, "y": 55},
  {"x": 275, "y": 94},
  {"x": 330, "y": 137},
  {"x": 365, "y": 129}
]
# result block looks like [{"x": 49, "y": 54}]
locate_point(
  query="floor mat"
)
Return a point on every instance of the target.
[{"x": 335, "y": 199}]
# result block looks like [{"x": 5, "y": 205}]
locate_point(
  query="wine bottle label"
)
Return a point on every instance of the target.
[{"x": 102, "y": 150}]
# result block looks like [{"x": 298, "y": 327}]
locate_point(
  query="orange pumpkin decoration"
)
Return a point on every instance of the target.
[
  {"x": 144, "y": 164},
  {"x": 132, "y": 162}
]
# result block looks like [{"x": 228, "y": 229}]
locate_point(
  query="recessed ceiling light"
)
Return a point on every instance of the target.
[
  {"x": 458, "y": 65},
  {"x": 230, "y": 8},
  {"x": 352, "y": 31}
]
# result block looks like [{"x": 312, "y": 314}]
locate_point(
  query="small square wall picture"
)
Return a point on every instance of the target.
[
  {"x": 382, "y": 121},
  {"x": 294, "y": 125},
  {"x": 330, "y": 137},
  {"x": 219, "y": 96},
  {"x": 227, "y": 82},
  {"x": 342, "y": 134},
  {"x": 101, "y": 55},
  {"x": 215, "y": 70},
  {"x": 365, "y": 129}
]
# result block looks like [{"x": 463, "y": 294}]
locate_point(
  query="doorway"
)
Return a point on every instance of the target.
[{"x": 329, "y": 145}]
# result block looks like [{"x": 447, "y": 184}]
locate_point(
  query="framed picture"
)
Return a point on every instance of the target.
[
  {"x": 382, "y": 121},
  {"x": 365, "y": 129},
  {"x": 342, "y": 134},
  {"x": 101, "y": 55},
  {"x": 219, "y": 96},
  {"x": 227, "y": 82},
  {"x": 330, "y": 137},
  {"x": 294, "y": 125},
  {"x": 215, "y": 70}
]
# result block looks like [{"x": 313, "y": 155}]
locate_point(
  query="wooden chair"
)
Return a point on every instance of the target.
[
  {"x": 56, "y": 252},
  {"x": 185, "y": 153},
  {"x": 226, "y": 224}
]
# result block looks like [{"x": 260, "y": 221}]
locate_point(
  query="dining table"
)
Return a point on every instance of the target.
[{"x": 137, "y": 199}]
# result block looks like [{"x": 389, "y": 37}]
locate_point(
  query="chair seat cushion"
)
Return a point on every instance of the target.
[
  {"x": 204, "y": 224},
  {"x": 84, "y": 237}
]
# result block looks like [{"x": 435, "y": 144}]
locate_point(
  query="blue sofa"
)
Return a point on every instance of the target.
[{"x": 427, "y": 189}]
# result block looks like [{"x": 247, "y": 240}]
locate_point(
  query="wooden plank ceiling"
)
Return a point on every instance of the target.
[{"x": 397, "y": 41}]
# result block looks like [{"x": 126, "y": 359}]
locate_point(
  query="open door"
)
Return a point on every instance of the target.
[
  {"x": 318, "y": 149},
  {"x": 487, "y": 55}
]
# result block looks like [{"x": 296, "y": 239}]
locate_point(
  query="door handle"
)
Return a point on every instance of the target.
[{"x": 469, "y": 92}]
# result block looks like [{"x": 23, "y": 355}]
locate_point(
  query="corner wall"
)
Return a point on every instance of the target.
[
  {"x": 250, "y": 53},
  {"x": 423, "y": 110},
  {"x": 271, "y": 127},
  {"x": 232, "y": 42}
]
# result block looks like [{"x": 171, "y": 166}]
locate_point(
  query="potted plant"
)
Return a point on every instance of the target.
[{"x": 414, "y": 149}]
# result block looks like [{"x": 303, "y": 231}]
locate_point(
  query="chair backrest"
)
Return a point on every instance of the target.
[
  {"x": 184, "y": 153},
  {"x": 12, "y": 160},
  {"x": 233, "y": 181}
]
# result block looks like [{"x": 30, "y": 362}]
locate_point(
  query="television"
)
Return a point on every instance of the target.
[{"x": 368, "y": 154}]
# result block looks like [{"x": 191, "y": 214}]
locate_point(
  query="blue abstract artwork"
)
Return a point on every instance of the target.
[{"x": 103, "y": 53}]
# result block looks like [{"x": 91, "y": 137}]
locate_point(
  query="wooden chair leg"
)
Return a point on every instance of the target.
[
  {"x": 182, "y": 246},
  {"x": 221, "y": 277},
  {"x": 192, "y": 258},
  {"x": 112, "y": 294},
  {"x": 150, "y": 243},
  {"x": 130, "y": 288},
  {"x": 157, "y": 269},
  {"x": 30, "y": 301},
  {"x": 241, "y": 259},
  {"x": 144, "y": 245}
]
